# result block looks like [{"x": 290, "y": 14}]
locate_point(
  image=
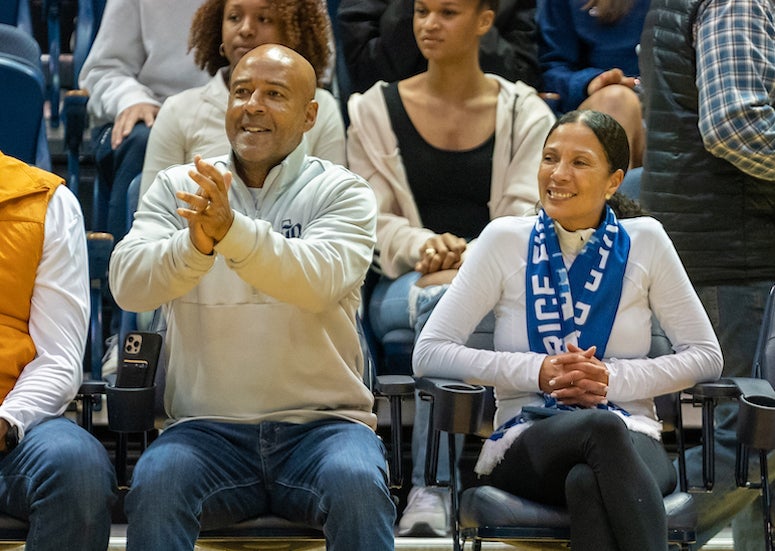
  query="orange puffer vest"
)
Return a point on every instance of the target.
[{"x": 24, "y": 195}]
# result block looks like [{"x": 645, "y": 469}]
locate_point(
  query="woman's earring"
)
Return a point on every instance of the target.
[
  {"x": 221, "y": 50},
  {"x": 607, "y": 196}
]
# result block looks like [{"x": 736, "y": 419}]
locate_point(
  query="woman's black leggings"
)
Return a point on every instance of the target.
[{"x": 611, "y": 479}]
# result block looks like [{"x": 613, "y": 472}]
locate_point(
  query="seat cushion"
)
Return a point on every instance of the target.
[
  {"x": 489, "y": 506},
  {"x": 12, "y": 529},
  {"x": 270, "y": 527}
]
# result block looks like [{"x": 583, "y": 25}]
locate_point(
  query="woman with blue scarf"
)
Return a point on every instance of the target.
[{"x": 573, "y": 291}]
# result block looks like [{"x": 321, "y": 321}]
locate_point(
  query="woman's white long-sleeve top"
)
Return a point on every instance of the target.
[{"x": 493, "y": 278}]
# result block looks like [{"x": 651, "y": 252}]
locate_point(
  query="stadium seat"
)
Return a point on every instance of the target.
[{"x": 22, "y": 89}]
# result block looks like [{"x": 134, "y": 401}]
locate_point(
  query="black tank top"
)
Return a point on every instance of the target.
[{"x": 451, "y": 188}]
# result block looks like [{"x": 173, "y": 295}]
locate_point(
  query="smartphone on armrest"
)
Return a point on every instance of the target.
[{"x": 137, "y": 359}]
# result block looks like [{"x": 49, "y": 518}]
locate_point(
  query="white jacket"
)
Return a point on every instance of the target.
[
  {"x": 522, "y": 124},
  {"x": 265, "y": 328}
]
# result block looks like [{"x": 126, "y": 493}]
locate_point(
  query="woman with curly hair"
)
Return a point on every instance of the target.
[{"x": 222, "y": 31}]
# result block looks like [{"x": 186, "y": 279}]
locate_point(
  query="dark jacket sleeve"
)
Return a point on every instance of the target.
[{"x": 378, "y": 41}]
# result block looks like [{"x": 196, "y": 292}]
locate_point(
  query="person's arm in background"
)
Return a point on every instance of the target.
[
  {"x": 378, "y": 41},
  {"x": 559, "y": 53},
  {"x": 59, "y": 320},
  {"x": 736, "y": 83},
  {"x": 116, "y": 58},
  {"x": 510, "y": 48}
]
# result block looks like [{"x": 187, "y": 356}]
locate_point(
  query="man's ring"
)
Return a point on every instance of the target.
[
  {"x": 207, "y": 206},
  {"x": 430, "y": 251},
  {"x": 571, "y": 382}
]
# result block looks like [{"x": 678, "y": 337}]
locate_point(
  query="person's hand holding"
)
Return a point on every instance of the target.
[
  {"x": 129, "y": 117},
  {"x": 441, "y": 252},
  {"x": 606, "y": 78},
  {"x": 209, "y": 214},
  {"x": 575, "y": 377}
]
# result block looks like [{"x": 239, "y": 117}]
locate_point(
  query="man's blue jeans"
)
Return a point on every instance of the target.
[
  {"x": 61, "y": 480},
  {"x": 207, "y": 474}
]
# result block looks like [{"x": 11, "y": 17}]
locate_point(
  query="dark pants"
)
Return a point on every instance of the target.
[
  {"x": 116, "y": 170},
  {"x": 611, "y": 479}
]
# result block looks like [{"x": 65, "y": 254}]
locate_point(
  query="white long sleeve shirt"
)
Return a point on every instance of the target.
[
  {"x": 493, "y": 278},
  {"x": 59, "y": 320}
]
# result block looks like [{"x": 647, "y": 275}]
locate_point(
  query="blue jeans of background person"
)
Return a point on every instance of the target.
[
  {"x": 61, "y": 480},
  {"x": 116, "y": 169},
  {"x": 389, "y": 304},
  {"x": 206, "y": 474},
  {"x": 736, "y": 313},
  {"x": 389, "y": 310}
]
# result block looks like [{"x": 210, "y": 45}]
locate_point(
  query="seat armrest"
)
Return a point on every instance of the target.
[
  {"x": 89, "y": 394},
  {"x": 75, "y": 116},
  {"x": 720, "y": 388},
  {"x": 76, "y": 121},
  {"x": 755, "y": 421},
  {"x": 752, "y": 386},
  {"x": 92, "y": 388},
  {"x": 394, "y": 385},
  {"x": 707, "y": 394},
  {"x": 457, "y": 407}
]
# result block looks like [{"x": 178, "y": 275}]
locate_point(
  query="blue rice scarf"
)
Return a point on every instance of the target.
[{"x": 571, "y": 306}]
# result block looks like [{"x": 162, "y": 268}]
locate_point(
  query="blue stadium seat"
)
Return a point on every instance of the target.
[
  {"x": 17, "y": 14},
  {"x": 22, "y": 89},
  {"x": 74, "y": 115}
]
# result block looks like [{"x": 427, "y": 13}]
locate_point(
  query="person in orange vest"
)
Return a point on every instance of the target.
[{"x": 53, "y": 474}]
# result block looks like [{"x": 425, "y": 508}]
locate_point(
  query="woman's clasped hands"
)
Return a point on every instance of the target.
[{"x": 576, "y": 377}]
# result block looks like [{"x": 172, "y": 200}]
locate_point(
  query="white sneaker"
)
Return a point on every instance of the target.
[
  {"x": 110, "y": 357},
  {"x": 426, "y": 513}
]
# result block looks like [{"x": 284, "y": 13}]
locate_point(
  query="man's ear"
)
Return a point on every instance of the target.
[{"x": 311, "y": 115}]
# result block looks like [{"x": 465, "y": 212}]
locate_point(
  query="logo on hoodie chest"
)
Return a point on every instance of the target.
[{"x": 291, "y": 230}]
